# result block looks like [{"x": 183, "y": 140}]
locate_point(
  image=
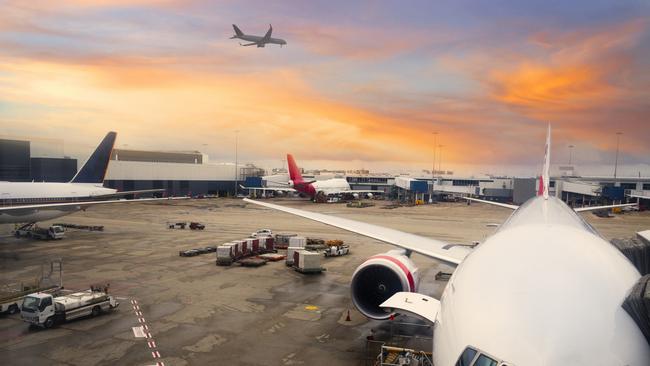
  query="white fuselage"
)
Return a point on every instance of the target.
[
  {"x": 33, "y": 193},
  {"x": 331, "y": 186},
  {"x": 545, "y": 289}
]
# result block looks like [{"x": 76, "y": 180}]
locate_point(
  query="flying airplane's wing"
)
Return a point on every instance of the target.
[
  {"x": 512, "y": 207},
  {"x": 248, "y": 44},
  {"x": 432, "y": 248},
  {"x": 82, "y": 203},
  {"x": 594, "y": 208},
  {"x": 267, "y": 36}
]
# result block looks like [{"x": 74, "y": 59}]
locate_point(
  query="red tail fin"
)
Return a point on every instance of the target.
[
  {"x": 540, "y": 190},
  {"x": 294, "y": 172}
]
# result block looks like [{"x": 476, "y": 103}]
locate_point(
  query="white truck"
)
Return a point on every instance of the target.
[
  {"x": 54, "y": 232},
  {"x": 44, "y": 310}
]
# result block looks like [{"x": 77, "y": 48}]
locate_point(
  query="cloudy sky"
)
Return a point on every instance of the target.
[{"x": 360, "y": 84}]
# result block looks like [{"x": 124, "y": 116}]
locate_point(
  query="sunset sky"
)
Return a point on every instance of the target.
[{"x": 359, "y": 84}]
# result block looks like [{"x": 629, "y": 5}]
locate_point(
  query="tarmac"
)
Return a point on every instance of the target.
[{"x": 197, "y": 313}]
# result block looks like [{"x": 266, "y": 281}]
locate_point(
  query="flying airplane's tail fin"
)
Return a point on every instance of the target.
[
  {"x": 238, "y": 32},
  {"x": 267, "y": 36},
  {"x": 545, "y": 179},
  {"x": 94, "y": 170},
  {"x": 294, "y": 172}
]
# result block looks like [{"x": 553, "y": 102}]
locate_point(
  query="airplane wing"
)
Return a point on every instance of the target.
[
  {"x": 248, "y": 44},
  {"x": 512, "y": 207},
  {"x": 448, "y": 254},
  {"x": 594, "y": 208},
  {"x": 124, "y": 193},
  {"x": 639, "y": 196},
  {"x": 83, "y": 203},
  {"x": 267, "y": 36}
]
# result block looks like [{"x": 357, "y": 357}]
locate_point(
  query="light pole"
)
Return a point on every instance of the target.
[
  {"x": 618, "y": 137},
  {"x": 570, "y": 153},
  {"x": 433, "y": 167},
  {"x": 236, "y": 161},
  {"x": 440, "y": 158}
]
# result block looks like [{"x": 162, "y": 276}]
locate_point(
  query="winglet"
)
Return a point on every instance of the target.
[
  {"x": 294, "y": 171},
  {"x": 94, "y": 170},
  {"x": 545, "y": 178}
]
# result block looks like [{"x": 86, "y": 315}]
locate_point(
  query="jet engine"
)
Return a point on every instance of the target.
[
  {"x": 356, "y": 196},
  {"x": 379, "y": 278},
  {"x": 369, "y": 195}
]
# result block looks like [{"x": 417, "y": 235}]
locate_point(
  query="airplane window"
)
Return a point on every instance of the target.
[
  {"x": 466, "y": 357},
  {"x": 484, "y": 360}
]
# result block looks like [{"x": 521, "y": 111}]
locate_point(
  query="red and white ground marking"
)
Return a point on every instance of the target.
[{"x": 147, "y": 334}]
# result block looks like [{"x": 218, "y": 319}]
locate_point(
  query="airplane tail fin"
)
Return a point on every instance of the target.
[
  {"x": 94, "y": 170},
  {"x": 545, "y": 179},
  {"x": 294, "y": 171},
  {"x": 238, "y": 31}
]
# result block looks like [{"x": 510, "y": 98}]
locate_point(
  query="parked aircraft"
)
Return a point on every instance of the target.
[
  {"x": 257, "y": 40},
  {"x": 544, "y": 289},
  {"x": 318, "y": 190},
  {"x": 30, "y": 202}
]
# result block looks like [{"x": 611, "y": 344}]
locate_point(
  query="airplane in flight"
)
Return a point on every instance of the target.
[
  {"x": 544, "y": 289},
  {"x": 257, "y": 40},
  {"x": 30, "y": 202},
  {"x": 317, "y": 190}
]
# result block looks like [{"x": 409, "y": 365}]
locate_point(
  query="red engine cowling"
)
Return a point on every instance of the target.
[{"x": 379, "y": 278}]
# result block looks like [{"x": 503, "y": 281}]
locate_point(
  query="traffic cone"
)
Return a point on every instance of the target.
[{"x": 347, "y": 318}]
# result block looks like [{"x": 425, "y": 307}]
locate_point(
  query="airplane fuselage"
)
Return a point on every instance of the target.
[
  {"x": 326, "y": 187},
  {"x": 260, "y": 40},
  {"x": 34, "y": 193},
  {"x": 545, "y": 289}
]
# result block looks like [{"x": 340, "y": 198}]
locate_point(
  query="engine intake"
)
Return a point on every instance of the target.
[{"x": 379, "y": 278}]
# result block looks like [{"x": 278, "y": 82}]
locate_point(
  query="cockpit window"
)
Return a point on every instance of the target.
[
  {"x": 484, "y": 360},
  {"x": 467, "y": 357}
]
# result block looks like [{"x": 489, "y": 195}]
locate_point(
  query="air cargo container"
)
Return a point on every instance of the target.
[
  {"x": 298, "y": 241},
  {"x": 253, "y": 245},
  {"x": 225, "y": 255},
  {"x": 290, "y": 255},
  {"x": 282, "y": 240},
  {"x": 307, "y": 262}
]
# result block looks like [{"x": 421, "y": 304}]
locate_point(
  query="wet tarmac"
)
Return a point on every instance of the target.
[{"x": 197, "y": 313}]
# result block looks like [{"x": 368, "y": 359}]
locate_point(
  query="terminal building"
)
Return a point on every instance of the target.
[
  {"x": 18, "y": 165},
  {"x": 178, "y": 173}
]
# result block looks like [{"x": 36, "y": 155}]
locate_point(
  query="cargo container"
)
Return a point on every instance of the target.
[
  {"x": 253, "y": 245},
  {"x": 297, "y": 241},
  {"x": 225, "y": 255},
  {"x": 290, "y": 254},
  {"x": 270, "y": 243},
  {"x": 307, "y": 262},
  {"x": 282, "y": 240}
]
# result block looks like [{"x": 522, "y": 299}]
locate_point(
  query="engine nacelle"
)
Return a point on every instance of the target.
[
  {"x": 369, "y": 195},
  {"x": 379, "y": 278},
  {"x": 355, "y": 196}
]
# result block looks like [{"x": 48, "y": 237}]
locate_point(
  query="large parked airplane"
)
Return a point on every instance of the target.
[
  {"x": 318, "y": 190},
  {"x": 257, "y": 40},
  {"x": 544, "y": 289},
  {"x": 30, "y": 202}
]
